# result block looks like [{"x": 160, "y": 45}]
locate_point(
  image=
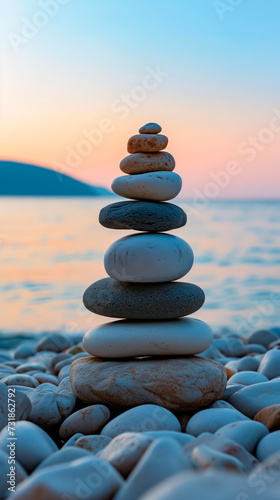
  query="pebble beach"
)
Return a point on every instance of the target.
[{"x": 153, "y": 404}]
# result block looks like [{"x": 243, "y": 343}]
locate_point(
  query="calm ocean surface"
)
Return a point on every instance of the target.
[{"x": 52, "y": 249}]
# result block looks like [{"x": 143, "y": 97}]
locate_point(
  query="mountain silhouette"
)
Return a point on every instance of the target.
[{"x": 22, "y": 179}]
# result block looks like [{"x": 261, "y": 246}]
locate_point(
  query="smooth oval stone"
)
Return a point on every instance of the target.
[
  {"x": 163, "y": 459},
  {"x": 140, "y": 163},
  {"x": 268, "y": 445},
  {"x": 151, "y": 216},
  {"x": 153, "y": 301},
  {"x": 20, "y": 379},
  {"x": 211, "y": 420},
  {"x": 174, "y": 383},
  {"x": 89, "y": 420},
  {"x": 141, "y": 419},
  {"x": 247, "y": 363},
  {"x": 248, "y": 378},
  {"x": 246, "y": 433},
  {"x": 152, "y": 186},
  {"x": 181, "y": 437},
  {"x": 125, "y": 339},
  {"x": 125, "y": 450},
  {"x": 85, "y": 478},
  {"x": 270, "y": 417},
  {"x": 262, "y": 337},
  {"x": 148, "y": 258},
  {"x": 230, "y": 346},
  {"x": 146, "y": 143},
  {"x": 270, "y": 364},
  {"x": 33, "y": 444},
  {"x": 93, "y": 443},
  {"x": 253, "y": 398},
  {"x": 26, "y": 367},
  {"x": 150, "y": 128}
]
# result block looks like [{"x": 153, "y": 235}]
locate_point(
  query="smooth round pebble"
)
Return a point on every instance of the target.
[
  {"x": 248, "y": 378},
  {"x": 150, "y": 128},
  {"x": 247, "y": 364},
  {"x": 204, "y": 457},
  {"x": 251, "y": 399},
  {"x": 212, "y": 419},
  {"x": 152, "y": 301},
  {"x": 247, "y": 433},
  {"x": 89, "y": 420},
  {"x": 146, "y": 143},
  {"x": 124, "y": 339},
  {"x": 175, "y": 383},
  {"x": 50, "y": 405},
  {"x": 148, "y": 258},
  {"x": 150, "y": 216},
  {"x": 268, "y": 445},
  {"x": 20, "y": 379},
  {"x": 262, "y": 337},
  {"x": 270, "y": 417},
  {"x": 141, "y": 419},
  {"x": 270, "y": 364},
  {"x": 141, "y": 163},
  {"x": 152, "y": 186}
]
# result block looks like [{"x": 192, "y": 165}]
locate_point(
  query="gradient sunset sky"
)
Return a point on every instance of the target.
[{"x": 75, "y": 71}]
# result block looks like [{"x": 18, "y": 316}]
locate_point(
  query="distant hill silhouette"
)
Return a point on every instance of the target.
[{"x": 22, "y": 179}]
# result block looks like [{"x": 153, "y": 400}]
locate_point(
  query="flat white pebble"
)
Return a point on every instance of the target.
[
  {"x": 121, "y": 339},
  {"x": 248, "y": 378},
  {"x": 153, "y": 186},
  {"x": 148, "y": 258}
]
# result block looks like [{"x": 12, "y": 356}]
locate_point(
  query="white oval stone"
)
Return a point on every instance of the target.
[
  {"x": 121, "y": 339},
  {"x": 270, "y": 364},
  {"x": 148, "y": 258},
  {"x": 141, "y": 419},
  {"x": 155, "y": 186}
]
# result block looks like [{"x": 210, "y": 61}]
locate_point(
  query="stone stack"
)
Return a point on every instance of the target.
[{"x": 148, "y": 357}]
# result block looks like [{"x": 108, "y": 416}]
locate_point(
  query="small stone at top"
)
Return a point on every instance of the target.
[{"x": 150, "y": 128}]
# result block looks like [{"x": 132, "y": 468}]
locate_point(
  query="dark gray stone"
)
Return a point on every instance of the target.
[
  {"x": 151, "y": 216},
  {"x": 153, "y": 301}
]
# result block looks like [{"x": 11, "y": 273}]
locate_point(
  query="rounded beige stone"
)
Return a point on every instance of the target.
[
  {"x": 178, "y": 384},
  {"x": 146, "y": 143},
  {"x": 140, "y": 163},
  {"x": 153, "y": 186}
]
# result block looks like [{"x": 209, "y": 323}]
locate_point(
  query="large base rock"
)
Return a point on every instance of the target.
[{"x": 178, "y": 384}]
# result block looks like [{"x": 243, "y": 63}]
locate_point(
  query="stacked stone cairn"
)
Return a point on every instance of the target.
[{"x": 147, "y": 357}]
